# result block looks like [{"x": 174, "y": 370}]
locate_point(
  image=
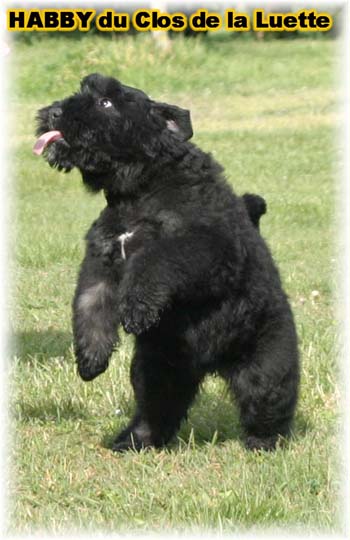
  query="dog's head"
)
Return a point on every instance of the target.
[{"x": 106, "y": 124}]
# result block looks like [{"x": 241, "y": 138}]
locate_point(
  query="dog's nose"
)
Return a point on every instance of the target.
[{"x": 55, "y": 113}]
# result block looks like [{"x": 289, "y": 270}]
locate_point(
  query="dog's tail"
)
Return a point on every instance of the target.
[{"x": 256, "y": 207}]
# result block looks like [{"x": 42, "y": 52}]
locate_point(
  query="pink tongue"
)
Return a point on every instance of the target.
[{"x": 44, "y": 140}]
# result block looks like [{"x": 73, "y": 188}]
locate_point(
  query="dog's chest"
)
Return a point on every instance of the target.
[
  {"x": 120, "y": 232},
  {"x": 123, "y": 238}
]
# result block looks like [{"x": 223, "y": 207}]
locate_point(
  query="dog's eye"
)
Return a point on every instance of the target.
[{"x": 106, "y": 103}]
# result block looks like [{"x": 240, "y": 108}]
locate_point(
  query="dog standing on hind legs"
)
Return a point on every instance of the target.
[{"x": 176, "y": 258}]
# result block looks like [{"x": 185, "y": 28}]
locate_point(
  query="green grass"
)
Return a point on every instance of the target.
[{"x": 268, "y": 112}]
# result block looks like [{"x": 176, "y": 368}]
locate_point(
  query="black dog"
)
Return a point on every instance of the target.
[{"x": 178, "y": 260}]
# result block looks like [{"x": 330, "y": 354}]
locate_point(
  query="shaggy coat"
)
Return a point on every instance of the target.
[{"x": 177, "y": 259}]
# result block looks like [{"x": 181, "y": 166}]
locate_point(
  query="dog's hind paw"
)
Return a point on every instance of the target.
[
  {"x": 130, "y": 440},
  {"x": 261, "y": 444},
  {"x": 124, "y": 446}
]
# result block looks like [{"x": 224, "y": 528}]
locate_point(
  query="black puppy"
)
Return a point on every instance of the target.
[{"x": 177, "y": 260}]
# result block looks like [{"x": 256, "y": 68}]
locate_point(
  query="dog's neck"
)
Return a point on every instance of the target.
[
  {"x": 120, "y": 179},
  {"x": 129, "y": 180}
]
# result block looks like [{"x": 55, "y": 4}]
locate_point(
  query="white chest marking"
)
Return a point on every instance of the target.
[{"x": 122, "y": 239}]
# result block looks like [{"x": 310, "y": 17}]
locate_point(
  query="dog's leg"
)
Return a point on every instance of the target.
[
  {"x": 184, "y": 267},
  {"x": 266, "y": 385},
  {"x": 95, "y": 317},
  {"x": 163, "y": 392}
]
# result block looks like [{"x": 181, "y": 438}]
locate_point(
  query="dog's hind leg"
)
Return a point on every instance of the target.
[
  {"x": 265, "y": 387},
  {"x": 164, "y": 388},
  {"x": 95, "y": 317}
]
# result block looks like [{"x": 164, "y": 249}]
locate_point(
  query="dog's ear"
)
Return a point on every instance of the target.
[{"x": 178, "y": 120}]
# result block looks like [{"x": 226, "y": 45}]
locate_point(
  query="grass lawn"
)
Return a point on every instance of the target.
[{"x": 268, "y": 111}]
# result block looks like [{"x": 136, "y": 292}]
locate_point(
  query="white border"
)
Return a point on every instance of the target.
[
  {"x": 4, "y": 412},
  {"x": 344, "y": 272}
]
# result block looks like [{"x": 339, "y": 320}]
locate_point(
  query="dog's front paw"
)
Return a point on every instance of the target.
[
  {"x": 137, "y": 314},
  {"x": 137, "y": 318},
  {"x": 92, "y": 361}
]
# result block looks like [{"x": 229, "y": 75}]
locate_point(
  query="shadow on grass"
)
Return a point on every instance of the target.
[
  {"x": 210, "y": 421},
  {"x": 213, "y": 417},
  {"x": 302, "y": 426},
  {"x": 42, "y": 345},
  {"x": 47, "y": 410}
]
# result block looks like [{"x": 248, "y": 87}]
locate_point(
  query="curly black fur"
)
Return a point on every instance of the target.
[{"x": 193, "y": 279}]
